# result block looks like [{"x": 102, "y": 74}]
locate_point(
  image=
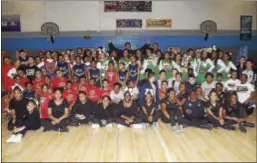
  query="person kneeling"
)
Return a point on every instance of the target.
[
  {"x": 82, "y": 110},
  {"x": 31, "y": 121},
  {"x": 193, "y": 111},
  {"x": 58, "y": 112},
  {"x": 104, "y": 113}
]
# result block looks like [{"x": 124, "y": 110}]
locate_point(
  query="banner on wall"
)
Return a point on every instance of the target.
[
  {"x": 128, "y": 6},
  {"x": 129, "y": 23},
  {"x": 158, "y": 23},
  {"x": 245, "y": 27},
  {"x": 11, "y": 23}
]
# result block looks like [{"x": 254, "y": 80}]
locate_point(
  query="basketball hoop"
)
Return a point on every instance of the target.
[{"x": 49, "y": 29}]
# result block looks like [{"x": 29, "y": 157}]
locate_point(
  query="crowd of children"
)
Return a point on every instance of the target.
[{"x": 202, "y": 88}]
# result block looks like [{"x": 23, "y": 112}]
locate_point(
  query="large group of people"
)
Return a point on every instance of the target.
[{"x": 133, "y": 88}]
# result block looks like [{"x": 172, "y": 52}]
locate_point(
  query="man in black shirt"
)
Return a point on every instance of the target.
[
  {"x": 82, "y": 110},
  {"x": 194, "y": 113},
  {"x": 31, "y": 68},
  {"x": 18, "y": 107}
]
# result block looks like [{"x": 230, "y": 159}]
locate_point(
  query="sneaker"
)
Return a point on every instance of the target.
[
  {"x": 120, "y": 126},
  {"x": 109, "y": 125},
  {"x": 207, "y": 126},
  {"x": 17, "y": 138},
  {"x": 242, "y": 128},
  {"x": 175, "y": 129},
  {"x": 248, "y": 124},
  {"x": 95, "y": 125},
  {"x": 180, "y": 128},
  {"x": 11, "y": 138},
  {"x": 137, "y": 125},
  {"x": 229, "y": 127},
  {"x": 64, "y": 129}
]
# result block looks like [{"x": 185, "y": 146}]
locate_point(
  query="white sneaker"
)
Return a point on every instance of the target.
[
  {"x": 120, "y": 126},
  {"x": 175, "y": 129},
  {"x": 181, "y": 128},
  {"x": 11, "y": 138},
  {"x": 95, "y": 125},
  {"x": 17, "y": 138},
  {"x": 137, "y": 125},
  {"x": 109, "y": 125}
]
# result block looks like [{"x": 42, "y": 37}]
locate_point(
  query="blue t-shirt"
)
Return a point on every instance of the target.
[
  {"x": 122, "y": 75},
  {"x": 64, "y": 68},
  {"x": 94, "y": 73},
  {"x": 79, "y": 70},
  {"x": 133, "y": 70}
]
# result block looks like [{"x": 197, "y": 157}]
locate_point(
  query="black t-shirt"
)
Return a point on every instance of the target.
[
  {"x": 236, "y": 110},
  {"x": 129, "y": 112},
  {"x": 19, "y": 107},
  {"x": 148, "y": 108},
  {"x": 24, "y": 62},
  {"x": 30, "y": 71},
  {"x": 102, "y": 113},
  {"x": 196, "y": 107},
  {"x": 215, "y": 109},
  {"x": 170, "y": 105},
  {"x": 180, "y": 96},
  {"x": 32, "y": 121},
  {"x": 58, "y": 110},
  {"x": 85, "y": 109}
]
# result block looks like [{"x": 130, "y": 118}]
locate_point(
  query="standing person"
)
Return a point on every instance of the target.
[
  {"x": 151, "y": 86},
  {"x": 232, "y": 83},
  {"x": 104, "y": 113},
  {"x": 208, "y": 85},
  {"x": 205, "y": 66},
  {"x": 133, "y": 90},
  {"x": 102, "y": 63},
  {"x": 165, "y": 63},
  {"x": 58, "y": 112},
  {"x": 105, "y": 90},
  {"x": 22, "y": 56},
  {"x": 175, "y": 83},
  {"x": 191, "y": 83},
  {"x": 44, "y": 98},
  {"x": 60, "y": 80},
  {"x": 49, "y": 65},
  {"x": 245, "y": 93},
  {"x": 64, "y": 67},
  {"x": 95, "y": 73},
  {"x": 127, "y": 112},
  {"x": 111, "y": 74},
  {"x": 38, "y": 81},
  {"x": 78, "y": 69},
  {"x": 162, "y": 77},
  {"x": 82, "y": 111},
  {"x": 133, "y": 70},
  {"x": 193, "y": 111},
  {"x": 93, "y": 92},
  {"x": 170, "y": 112},
  {"x": 122, "y": 74},
  {"x": 17, "y": 106},
  {"x": 177, "y": 62},
  {"x": 229, "y": 65},
  {"x": 83, "y": 86},
  {"x": 116, "y": 94},
  {"x": 30, "y": 69},
  {"x": 31, "y": 121},
  {"x": 125, "y": 58},
  {"x": 249, "y": 71},
  {"x": 6, "y": 67},
  {"x": 234, "y": 114},
  {"x": 69, "y": 94},
  {"x": 29, "y": 93},
  {"x": 241, "y": 66},
  {"x": 215, "y": 112},
  {"x": 163, "y": 89}
]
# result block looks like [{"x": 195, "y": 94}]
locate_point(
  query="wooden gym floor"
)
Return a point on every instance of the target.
[{"x": 84, "y": 144}]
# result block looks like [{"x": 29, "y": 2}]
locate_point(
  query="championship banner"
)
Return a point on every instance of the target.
[
  {"x": 11, "y": 23},
  {"x": 158, "y": 23},
  {"x": 129, "y": 23},
  {"x": 245, "y": 27},
  {"x": 128, "y": 6}
]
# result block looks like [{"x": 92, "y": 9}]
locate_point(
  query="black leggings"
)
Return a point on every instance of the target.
[
  {"x": 144, "y": 117},
  {"x": 121, "y": 121},
  {"x": 173, "y": 113},
  {"x": 73, "y": 121},
  {"x": 193, "y": 122},
  {"x": 21, "y": 122},
  {"x": 108, "y": 121},
  {"x": 47, "y": 124}
]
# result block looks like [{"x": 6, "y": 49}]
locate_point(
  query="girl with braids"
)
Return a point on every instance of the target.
[
  {"x": 205, "y": 66},
  {"x": 164, "y": 62}
]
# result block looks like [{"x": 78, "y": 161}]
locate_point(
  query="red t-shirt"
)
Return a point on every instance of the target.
[
  {"x": 105, "y": 92},
  {"x": 83, "y": 87},
  {"x": 6, "y": 79},
  {"x": 44, "y": 100},
  {"x": 59, "y": 82},
  {"x": 70, "y": 95},
  {"x": 37, "y": 84},
  {"x": 162, "y": 93},
  {"x": 23, "y": 81},
  {"x": 111, "y": 75},
  {"x": 93, "y": 93},
  {"x": 75, "y": 86}
]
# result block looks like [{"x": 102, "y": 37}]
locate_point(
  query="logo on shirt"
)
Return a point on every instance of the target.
[{"x": 242, "y": 89}]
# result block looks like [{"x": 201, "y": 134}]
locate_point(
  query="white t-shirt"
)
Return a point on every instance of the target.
[
  {"x": 207, "y": 88},
  {"x": 116, "y": 97},
  {"x": 133, "y": 91},
  {"x": 231, "y": 84},
  {"x": 244, "y": 91}
]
